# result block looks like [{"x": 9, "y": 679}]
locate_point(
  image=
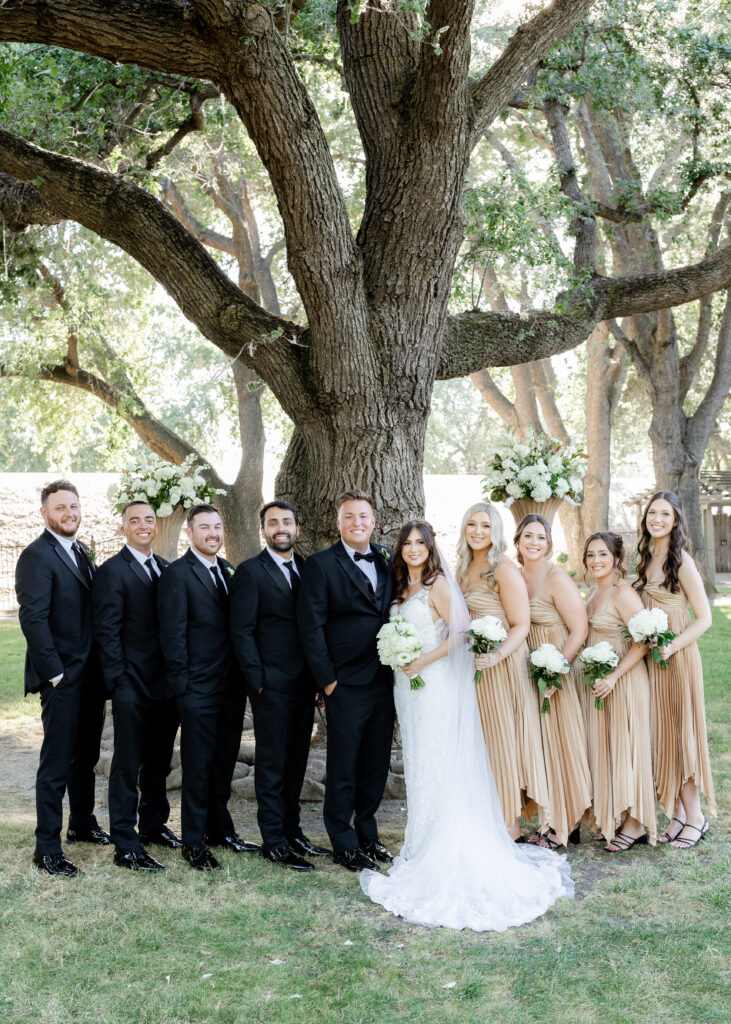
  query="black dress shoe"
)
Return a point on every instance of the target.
[
  {"x": 55, "y": 864},
  {"x": 201, "y": 859},
  {"x": 164, "y": 837},
  {"x": 378, "y": 852},
  {"x": 137, "y": 860},
  {"x": 286, "y": 856},
  {"x": 304, "y": 845},
  {"x": 95, "y": 835},
  {"x": 234, "y": 843},
  {"x": 355, "y": 860}
]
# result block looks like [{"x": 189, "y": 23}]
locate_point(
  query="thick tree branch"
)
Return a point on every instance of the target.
[
  {"x": 136, "y": 222},
  {"x": 703, "y": 419},
  {"x": 583, "y": 222},
  {"x": 21, "y": 205},
  {"x": 213, "y": 239},
  {"x": 531, "y": 41}
]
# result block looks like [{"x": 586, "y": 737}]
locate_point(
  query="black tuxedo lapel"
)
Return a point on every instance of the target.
[
  {"x": 204, "y": 575},
  {"x": 68, "y": 560},
  {"x": 359, "y": 578},
  {"x": 384, "y": 575},
  {"x": 139, "y": 570},
  {"x": 275, "y": 574}
]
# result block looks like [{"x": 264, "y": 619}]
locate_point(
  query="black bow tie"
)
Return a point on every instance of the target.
[{"x": 368, "y": 557}]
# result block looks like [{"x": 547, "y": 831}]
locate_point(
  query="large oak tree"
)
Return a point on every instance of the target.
[{"x": 356, "y": 378}]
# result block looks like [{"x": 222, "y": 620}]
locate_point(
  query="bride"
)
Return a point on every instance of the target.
[{"x": 458, "y": 866}]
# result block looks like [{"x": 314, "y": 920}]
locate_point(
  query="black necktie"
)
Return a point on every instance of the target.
[
  {"x": 219, "y": 582},
  {"x": 294, "y": 579},
  {"x": 82, "y": 562},
  {"x": 149, "y": 564},
  {"x": 369, "y": 556}
]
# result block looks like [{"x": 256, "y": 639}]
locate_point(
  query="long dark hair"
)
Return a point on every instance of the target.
[
  {"x": 533, "y": 517},
  {"x": 678, "y": 542},
  {"x": 430, "y": 569},
  {"x": 615, "y": 546}
]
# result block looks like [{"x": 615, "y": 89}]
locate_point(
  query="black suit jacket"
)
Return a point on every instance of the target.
[
  {"x": 264, "y": 627},
  {"x": 194, "y": 631},
  {"x": 55, "y": 615},
  {"x": 339, "y": 616},
  {"x": 126, "y": 629}
]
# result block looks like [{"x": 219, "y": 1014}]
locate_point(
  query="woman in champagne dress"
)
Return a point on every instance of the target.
[
  {"x": 492, "y": 585},
  {"x": 558, "y": 617},
  {"x": 667, "y": 578},
  {"x": 618, "y": 735}
]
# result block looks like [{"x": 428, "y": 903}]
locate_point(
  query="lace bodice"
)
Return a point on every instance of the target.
[{"x": 417, "y": 610}]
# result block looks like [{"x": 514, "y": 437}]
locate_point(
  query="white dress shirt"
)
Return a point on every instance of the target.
[
  {"x": 211, "y": 565},
  {"x": 367, "y": 568},
  {"x": 67, "y": 543},
  {"x": 143, "y": 558},
  {"x": 283, "y": 563}
]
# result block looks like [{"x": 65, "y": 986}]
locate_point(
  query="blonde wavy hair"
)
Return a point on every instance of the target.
[{"x": 495, "y": 552}]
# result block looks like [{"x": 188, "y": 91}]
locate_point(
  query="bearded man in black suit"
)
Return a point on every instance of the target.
[
  {"x": 124, "y": 600},
  {"x": 192, "y": 602},
  {"x": 53, "y": 583},
  {"x": 343, "y": 602},
  {"x": 281, "y": 690}
]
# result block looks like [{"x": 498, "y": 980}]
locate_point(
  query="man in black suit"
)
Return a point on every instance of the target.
[
  {"x": 192, "y": 602},
  {"x": 53, "y": 583},
  {"x": 281, "y": 691},
  {"x": 124, "y": 600},
  {"x": 342, "y": 603}
]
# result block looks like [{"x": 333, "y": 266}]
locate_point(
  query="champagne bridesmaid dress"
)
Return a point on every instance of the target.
[
  {"x": 619, "y": 737},
  {"x": 563, "y": 729},
  {"x": 680, "y": 741},
  {"x": 510, "y": 720}
]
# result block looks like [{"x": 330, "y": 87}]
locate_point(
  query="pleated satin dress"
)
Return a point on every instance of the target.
[
  {"x": 680, "y": 740},
  {"x": 563, "y": 729},
  {"x": 506, "y": 700},
  {"x": 619, "y": 738}
]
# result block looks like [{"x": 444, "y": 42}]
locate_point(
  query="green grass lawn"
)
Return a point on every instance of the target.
[{"x": 645, "y": 939}]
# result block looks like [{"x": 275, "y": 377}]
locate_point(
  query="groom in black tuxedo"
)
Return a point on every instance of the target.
[
  {"x": 192, "y": 603},
  {"x": 281, "y": 690},
  {"x": 124, "y": 599},
  {"x": 343, "y": 602},
  {"x": 53, "y": 583}
]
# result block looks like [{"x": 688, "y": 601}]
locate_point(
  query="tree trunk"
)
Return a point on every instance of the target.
[{"x": 241, "y": 504}]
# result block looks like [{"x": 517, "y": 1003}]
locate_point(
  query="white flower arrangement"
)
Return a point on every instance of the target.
[
  {"x": 163, "y": 486},
  {"x": 650, "y": 627},
  {"x": 598, "y": 662},
  {"x": 485, "y": 636},
  {"x": 541, "y": 468},
  {"x": 398, "y": 644},
  {"x": 547, "y": 666}
]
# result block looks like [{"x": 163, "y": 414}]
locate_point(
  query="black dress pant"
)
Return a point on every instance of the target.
[
  {"x": 144, "y": 735},
  {"x": 283, "y": 729},
  {"x": 210, "y": 737},
  {"x": 359, "y": 735},
  {"x": 72, "y": 714}
]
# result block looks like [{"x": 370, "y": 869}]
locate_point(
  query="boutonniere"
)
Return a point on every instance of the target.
[
  {"x": 92, "y": 555},
  {"x": 385, "y": 555},
  {"x": 229, "y": 571}
]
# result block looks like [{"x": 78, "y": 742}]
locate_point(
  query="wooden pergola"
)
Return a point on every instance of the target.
[{"x": 715, "y": 488}]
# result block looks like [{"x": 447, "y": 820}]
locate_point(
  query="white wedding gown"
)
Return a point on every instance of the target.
[{"x": 458, "y": 866}]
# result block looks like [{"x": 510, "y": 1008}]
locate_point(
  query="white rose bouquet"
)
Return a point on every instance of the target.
[
  {"x": 163, "y": 486},
  {"x": 540, "y": 468},
  {"x": 598, "y": 662},
  {"x": 485, "y": 636},
  {"x": 547, "y": 667},
  {"x": 650, "y": 627},
  {"x": 398, "y": 644}
]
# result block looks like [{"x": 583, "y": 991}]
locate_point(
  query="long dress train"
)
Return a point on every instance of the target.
[
  {"x": 458, "y": 867},
  {"x": 618, "y": 737},
  {"x": 680, "y": 740}
]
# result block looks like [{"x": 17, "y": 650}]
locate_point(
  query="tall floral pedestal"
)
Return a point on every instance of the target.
[
  {"x": 166, "y": 540},
  {"x": 526, "y": 506}
]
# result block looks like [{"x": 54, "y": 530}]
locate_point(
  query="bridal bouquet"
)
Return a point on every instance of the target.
[
  {"x": 163, "y": 486},
  {"x": 598, "y": 661},
  {"x": 650, "y": 627},
  {"x": 540, "y": 468},
  {"x": 398, "y": 644},
  {"x": 485, "y": 636},
  {"x": 547, "y": 667}
]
